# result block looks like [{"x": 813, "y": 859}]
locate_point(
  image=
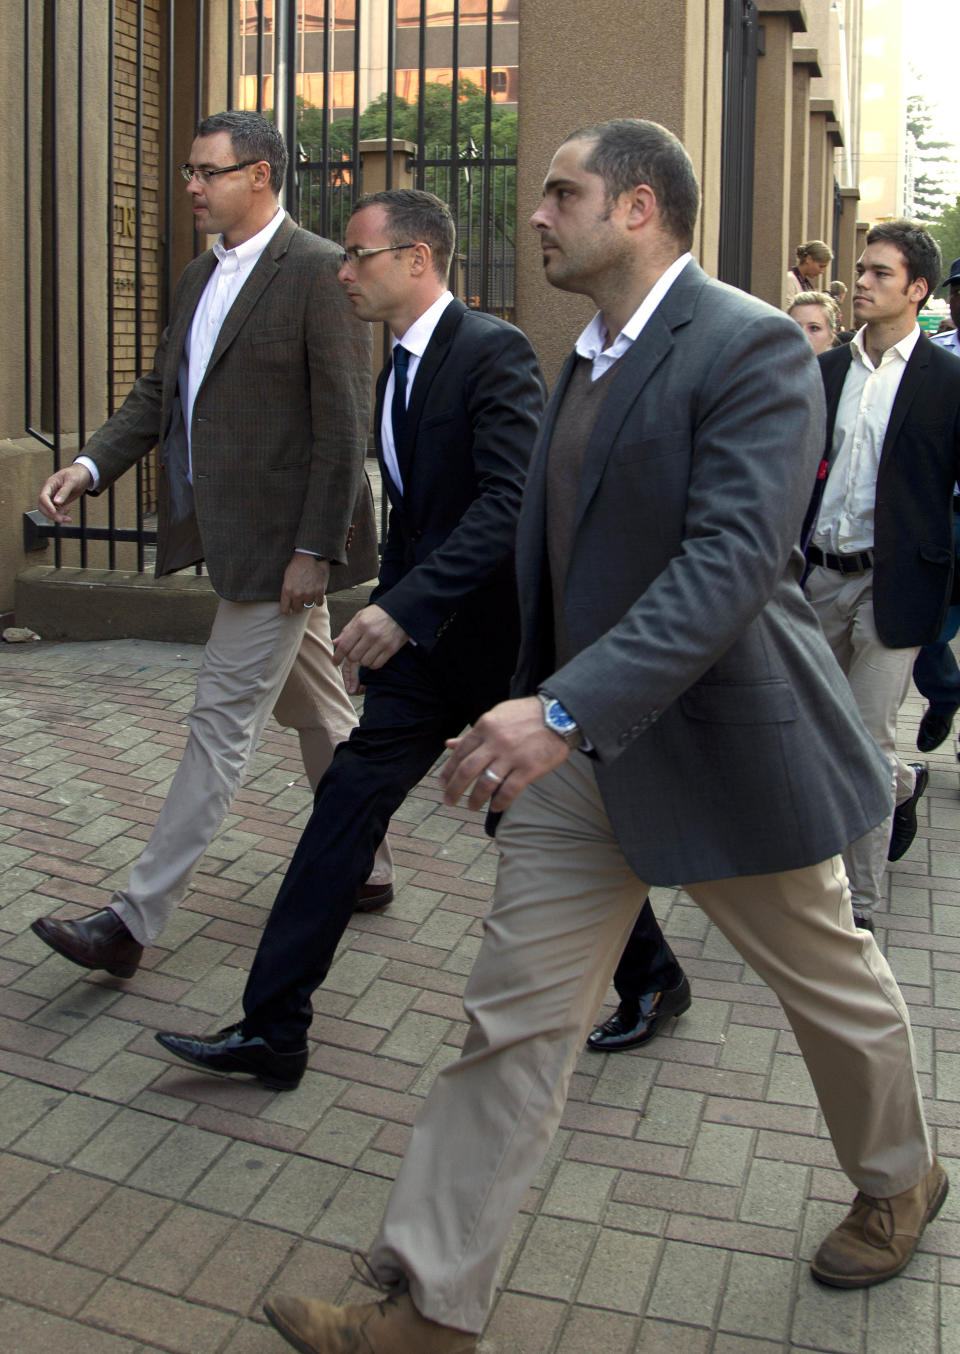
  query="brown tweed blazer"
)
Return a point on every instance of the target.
[{"x": 279, "y": 426}]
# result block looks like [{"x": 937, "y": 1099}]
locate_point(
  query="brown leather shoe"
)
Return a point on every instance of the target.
[
  {"x": 391, "y": 1326},
  {"x": 373, "y": 897},
  {"x": 98, "y": 941},
  {"x": 878, "y": 1237}
]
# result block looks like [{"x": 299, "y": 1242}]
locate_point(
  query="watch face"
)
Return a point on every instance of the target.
[{"x": 558, "y": 719}]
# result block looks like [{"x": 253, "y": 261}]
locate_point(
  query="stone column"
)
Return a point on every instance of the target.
[
  {"x": 820, "y": 203},
  {"x": 779, "y": 20},
  {"x": 806, "y": 66},
  {"x": 844, "y": 263},
  {"x": 646, "y": 59}
]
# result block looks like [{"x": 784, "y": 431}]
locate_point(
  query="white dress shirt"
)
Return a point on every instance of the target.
[
  {"x": 590, "y": 344},
  {"x": 233, "y": 268},
  {"x": 846, "y": 522},
  {"x": 415, "y": 341}
]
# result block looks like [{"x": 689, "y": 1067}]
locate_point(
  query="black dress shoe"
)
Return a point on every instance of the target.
[
  {"x": 373, "y": 897},
  {"x": 98, "y": 941},
  {"x": 934, "y": 728},
  {"x": 636, "y": 1023},
  {"x": 232, "y": 1051},
  {"x": 864, "y": 922},
  {"x": 905, "y": 817}
]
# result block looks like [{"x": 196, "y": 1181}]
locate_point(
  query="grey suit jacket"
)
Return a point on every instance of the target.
[
  {"x": 279, "y": 425},
  {"x": 726, "y": 739}
]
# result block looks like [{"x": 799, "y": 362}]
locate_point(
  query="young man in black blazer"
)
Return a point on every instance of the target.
[
  {"x": 882, "y": 554},
  {"x": 456, "y": 415}
]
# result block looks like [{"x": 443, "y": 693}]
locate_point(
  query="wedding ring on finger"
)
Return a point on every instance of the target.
[
  {"x": 489, "y": 774},
  {"x": 308, "y": 605}
]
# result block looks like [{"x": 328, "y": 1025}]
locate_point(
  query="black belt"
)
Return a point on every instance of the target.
[{"x": 843, "y": 564}]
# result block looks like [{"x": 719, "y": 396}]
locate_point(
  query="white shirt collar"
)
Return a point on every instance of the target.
[
  {"x": 253, "y": 247},
  {"x": 420, "y": 333},
  {"x": 903, "y": 349},
  {"x": 590, "y": 344}
]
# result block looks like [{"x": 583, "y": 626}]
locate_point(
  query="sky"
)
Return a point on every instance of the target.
[{"x": 931, "y": 40}]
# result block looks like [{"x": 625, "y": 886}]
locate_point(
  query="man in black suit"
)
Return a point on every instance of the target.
[
  {"x": 882, "y": 553},
  {"x": 456, "y": 415}
]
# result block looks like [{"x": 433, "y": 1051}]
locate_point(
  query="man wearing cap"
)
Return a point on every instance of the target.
[{"x": 951, "y": 339}]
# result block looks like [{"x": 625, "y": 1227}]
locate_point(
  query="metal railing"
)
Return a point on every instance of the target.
[{"x": 152, "y": 67}]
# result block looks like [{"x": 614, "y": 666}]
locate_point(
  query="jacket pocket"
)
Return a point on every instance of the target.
[
  {"x": 936, "y": 554},
  {"x": 277, "y": 333},
  {"x": 740, "y": 703},
  {"x": 653, "y": 448}
]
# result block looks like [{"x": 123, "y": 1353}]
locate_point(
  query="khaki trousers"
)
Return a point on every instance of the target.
[
  {"x": 255, "y": 661},
  {"x": 564, "y": 903},
  {"x": 879, "y": 679}
]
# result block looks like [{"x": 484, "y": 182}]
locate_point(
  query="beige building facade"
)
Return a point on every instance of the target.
[
  {"x": 883, "y": 163},
  {"x": 83, "y": 328}
]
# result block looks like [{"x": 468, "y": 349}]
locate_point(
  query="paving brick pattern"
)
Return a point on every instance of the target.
[{"x": 146, "y": 1208}]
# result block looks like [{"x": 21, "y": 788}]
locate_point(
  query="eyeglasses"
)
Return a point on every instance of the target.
[
  {"x": 205, "y": 175},
  {"x": 354, "y": 255}
]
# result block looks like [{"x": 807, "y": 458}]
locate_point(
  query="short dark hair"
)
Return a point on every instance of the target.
[
  {"x": 920, "y": 251},
  {"x": 628, "y": 151},
  {"x": 413, "y": 215},
  {"x": 253, "y": 137}
]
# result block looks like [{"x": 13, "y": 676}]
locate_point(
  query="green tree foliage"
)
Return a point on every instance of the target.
[
  {"x": 931, "y": 197},
  {"x": 946, "y": 231},
  {"x": 437, "y": 130},
  {"x": 471, "y": 114}
]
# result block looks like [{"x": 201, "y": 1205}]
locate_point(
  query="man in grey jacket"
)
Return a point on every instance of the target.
[{"x": 677, "y": 716}]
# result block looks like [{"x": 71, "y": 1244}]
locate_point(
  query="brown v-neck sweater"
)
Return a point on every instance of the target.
[{"x": 568, "y": 447}]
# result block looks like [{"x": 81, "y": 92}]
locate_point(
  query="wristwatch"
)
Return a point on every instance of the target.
[{"x": 556, "y": 718}]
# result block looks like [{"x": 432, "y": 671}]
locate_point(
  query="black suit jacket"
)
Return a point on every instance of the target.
[
  {"x": 447, "y": 573},
  {"x": 919, "y": 465}
]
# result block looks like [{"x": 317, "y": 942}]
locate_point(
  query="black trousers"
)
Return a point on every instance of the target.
[
  {"x": 647, "y": 964},
  {"x": 412, "y": 705}
]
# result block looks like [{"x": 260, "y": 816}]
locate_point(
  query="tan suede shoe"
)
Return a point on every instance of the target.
[
  {"x": 878, "y": 1237},
  {"x": 391, "y": 1326}
]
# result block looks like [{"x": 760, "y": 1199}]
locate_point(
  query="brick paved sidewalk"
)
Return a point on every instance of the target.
[{"x": 143, "y": 1207}]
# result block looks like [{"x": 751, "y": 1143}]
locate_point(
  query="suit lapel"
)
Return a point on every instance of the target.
[
  {"x": 631, "y": 375},
  {"x": 393, "y": 491},
  {"x": 180, "y": 323},
  {"x": 264, "y": 271},
  {"x": 430, "y": 363},
  {"x": 834, "y": 374},
  {"x": 910, "y": 383}
]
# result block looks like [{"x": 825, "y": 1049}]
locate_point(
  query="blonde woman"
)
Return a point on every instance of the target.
[{"x": 818, "y": 316}]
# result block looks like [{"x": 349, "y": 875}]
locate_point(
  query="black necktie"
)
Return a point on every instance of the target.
[{"x": 398, "y": 410}]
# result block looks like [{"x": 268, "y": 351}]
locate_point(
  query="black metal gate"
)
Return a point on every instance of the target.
[
  {"x": 440, "y": 100},
  {"x": 740, "y": 51}
]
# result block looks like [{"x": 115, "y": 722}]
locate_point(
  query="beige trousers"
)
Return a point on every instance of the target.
[
  {"x": 255, "y": 661},
  {"x": 564, "y": 903},
  {"x": 879, "y": 679}
]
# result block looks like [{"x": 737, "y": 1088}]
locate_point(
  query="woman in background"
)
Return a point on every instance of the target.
[
  {"x": 813, "y": 259},
  {"x": 818, "y": 315}
]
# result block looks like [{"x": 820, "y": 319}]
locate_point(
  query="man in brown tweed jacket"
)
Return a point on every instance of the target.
[{"x": 259, "y": 401}]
